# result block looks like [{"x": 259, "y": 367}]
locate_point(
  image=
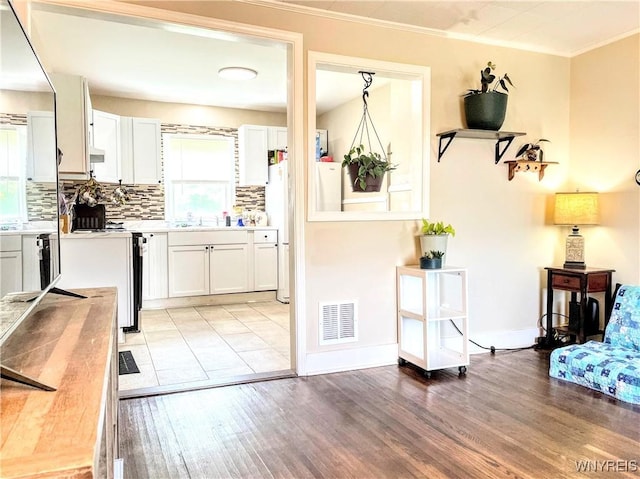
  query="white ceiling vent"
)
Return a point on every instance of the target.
[{"x": 338, "y": 323}]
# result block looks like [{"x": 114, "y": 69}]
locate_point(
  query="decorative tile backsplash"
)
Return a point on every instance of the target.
[{"x": 146, "y": 201}]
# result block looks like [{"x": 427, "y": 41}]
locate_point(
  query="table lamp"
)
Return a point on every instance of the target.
[{"x": 575, "y": 209}]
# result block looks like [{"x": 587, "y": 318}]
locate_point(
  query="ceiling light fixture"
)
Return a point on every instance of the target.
[{"x": 237, "y": 73}]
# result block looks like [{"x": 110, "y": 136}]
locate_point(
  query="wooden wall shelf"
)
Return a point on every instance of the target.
[
  {"x": 500, "y": 137},
  {"x": 530, "y": 166}
]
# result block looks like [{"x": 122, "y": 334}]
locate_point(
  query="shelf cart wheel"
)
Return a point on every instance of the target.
[
  {"x": 427, "y": 374},
  {"x": 402, "y": 361},
  {"x": 462, "y": 369}
]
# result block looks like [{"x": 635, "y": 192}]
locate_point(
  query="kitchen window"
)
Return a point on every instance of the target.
[
  {"x": 199, "y": 176},
  {"x": 13, "y": 148}
]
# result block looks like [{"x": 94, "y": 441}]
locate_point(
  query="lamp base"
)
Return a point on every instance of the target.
[{"x": 574, "y": 265}]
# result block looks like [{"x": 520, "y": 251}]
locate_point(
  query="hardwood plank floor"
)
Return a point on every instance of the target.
[{"x": 505, "y": 418}]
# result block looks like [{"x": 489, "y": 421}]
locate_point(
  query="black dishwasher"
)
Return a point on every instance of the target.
[{"x": 138, "y": 241}]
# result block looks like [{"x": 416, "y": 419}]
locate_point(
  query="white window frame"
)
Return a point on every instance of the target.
[
  {"x": 21, "y": 132},
  {"x": 169, "y": 213}
]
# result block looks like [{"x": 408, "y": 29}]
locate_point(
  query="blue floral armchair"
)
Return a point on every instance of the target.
[{"x": 611, "y": 366}]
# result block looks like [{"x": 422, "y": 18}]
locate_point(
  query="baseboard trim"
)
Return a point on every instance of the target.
[
  {"x": 350, "y": 359},
  {"x": 209, "y": 300}
]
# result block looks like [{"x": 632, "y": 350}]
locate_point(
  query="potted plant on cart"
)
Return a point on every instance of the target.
[
  {"x": 485, "y": 109},
  {"x": 435, "y": 235},
  {"x": 431, "y": 260}
]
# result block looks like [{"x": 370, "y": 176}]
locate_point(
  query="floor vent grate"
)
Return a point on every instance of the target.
[{"x": 338, "y": 323}]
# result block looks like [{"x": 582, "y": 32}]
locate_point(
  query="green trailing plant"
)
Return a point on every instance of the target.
[
  {"x": 487, "y": 78},
  {"x": 369, "y": 164},
  {"x": 529, "y": 151},
  {"x": 436, "y": 228},
  {"x": 434, "y": 254}
]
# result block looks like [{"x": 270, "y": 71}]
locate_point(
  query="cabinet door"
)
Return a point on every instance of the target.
[
  {"x": 155, "y": 267},
  {"x": 30, "y": 263},
  {"x": 72, "y": 123},
  {"x": 188, "y": 270},
  {"x": 147, "y": 163},
  {"x": 265, "y": 266},
  {"x": 10, "y": 272},
  {"x": 41, "y": 146},
  {"x": 106, "y": 136},
  {"x": 277, "y": 138},
  {"x": 253, "y": 162},
  {"x": 228, "y": 266}
]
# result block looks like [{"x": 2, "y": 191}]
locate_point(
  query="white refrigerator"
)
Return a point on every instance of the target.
[{"x": 276, "y": 204}]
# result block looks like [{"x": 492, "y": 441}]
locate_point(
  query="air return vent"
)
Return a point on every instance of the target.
[{"x": 338, "y": 323}]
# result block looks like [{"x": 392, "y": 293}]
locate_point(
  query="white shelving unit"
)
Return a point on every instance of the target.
[{"x": 430, "y": 302}]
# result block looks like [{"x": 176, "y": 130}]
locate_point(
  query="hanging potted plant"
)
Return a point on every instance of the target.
[
  {"x": 435, "y": 236},
  {"x": 485, "y": 109},
  {"x": 366, "y": 170}
]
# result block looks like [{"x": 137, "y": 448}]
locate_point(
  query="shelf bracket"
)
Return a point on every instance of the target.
[
  {"x": 500, "y": 154},
  {"x": 446, "y": 136}
]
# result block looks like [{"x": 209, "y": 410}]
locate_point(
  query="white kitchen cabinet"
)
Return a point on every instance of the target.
[
  {"x": 252, "y": 155},
  {"x": 41, "y": 147},
  {"x": 277, "y": 138},
  {"x": 10, "y": 264},
  {"x": 96, "y": 260},
  {"x": 30, "y": 263},
  {"x": 73, "y": 117},
  {"x": 228, "y": 268},
  {"x": 432, "y": 317},
  {"x": 141, "y": 157},
  {"x": 265, "y": 260},
  {"x": 188, "y": 270},
  {"x": 208, "y": 262},
  {"x": 155, "y": 267},
  {"x": 106, "y": 136}
]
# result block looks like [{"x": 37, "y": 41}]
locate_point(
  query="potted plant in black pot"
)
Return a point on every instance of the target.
[
  {"x": 431, "y": 260},
  {"x": 366, "y": 170},
  {"x": 485, "y": 109}
]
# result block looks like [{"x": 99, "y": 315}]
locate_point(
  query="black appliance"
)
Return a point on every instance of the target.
[{"x": 138, "y": 242}]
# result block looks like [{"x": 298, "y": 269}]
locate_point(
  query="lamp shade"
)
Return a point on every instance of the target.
[{"x": 576, "y": 209}]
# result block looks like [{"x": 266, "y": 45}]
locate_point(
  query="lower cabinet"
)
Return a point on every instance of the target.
[
  {"x": 30, "y": 263},
  {"x": 265, "y": 266},
  {"x": 10, "y": 264},
  {"x": 197, "y": 270},
  {"x": 155, "y": 267}
]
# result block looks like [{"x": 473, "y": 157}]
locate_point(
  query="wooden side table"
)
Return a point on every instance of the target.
[{"x": 576, "y": 281}]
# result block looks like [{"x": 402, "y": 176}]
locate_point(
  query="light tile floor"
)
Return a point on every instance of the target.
[{"x": 190, "y": 344}]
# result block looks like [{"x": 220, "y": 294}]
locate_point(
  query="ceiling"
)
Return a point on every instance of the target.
[{"x": 162, "y": 62}]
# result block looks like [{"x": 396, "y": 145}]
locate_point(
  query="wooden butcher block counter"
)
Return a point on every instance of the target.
[{"x": 69, "y": 344}]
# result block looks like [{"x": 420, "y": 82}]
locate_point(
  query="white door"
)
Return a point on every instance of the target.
[
  {"x": 10, "y": 272},
  {"x": 265, "y": 258},
  {"x": 188, "y": 270},
  {"x": 229, "y": 268},
  {"x": 155, "y": 267}
]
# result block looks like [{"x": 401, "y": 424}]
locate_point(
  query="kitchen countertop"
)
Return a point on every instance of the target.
[{"x": 166, "y": 227}]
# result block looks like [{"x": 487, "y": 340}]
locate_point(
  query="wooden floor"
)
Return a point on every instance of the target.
[{"x": 506, "y": 418}]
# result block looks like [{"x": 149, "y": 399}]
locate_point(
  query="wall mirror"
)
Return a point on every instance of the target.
[{"x": 398, "y": 104}]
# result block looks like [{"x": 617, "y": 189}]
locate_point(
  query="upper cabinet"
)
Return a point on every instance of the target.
[
  {"x": 277, "y": 138},
  {"x": 106, "y": 137},
  {"x": 141, "y": 159},
  {"x": 41, "y": 149},
  {"x": 73, "y": 110},
  {"x": 252, "y": 155}
]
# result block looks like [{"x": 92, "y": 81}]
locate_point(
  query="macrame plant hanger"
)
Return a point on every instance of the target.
[{"x": 365, "y": 120}]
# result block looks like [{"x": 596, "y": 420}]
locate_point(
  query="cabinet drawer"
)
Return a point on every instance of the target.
[
  {"x": 265, "y": 236},
  {"x": 560, "y": 281},
  {"x": 597, "y": 282},
  {"x": 188, "y": 238},
  {"x": 10, "y": 243}
]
